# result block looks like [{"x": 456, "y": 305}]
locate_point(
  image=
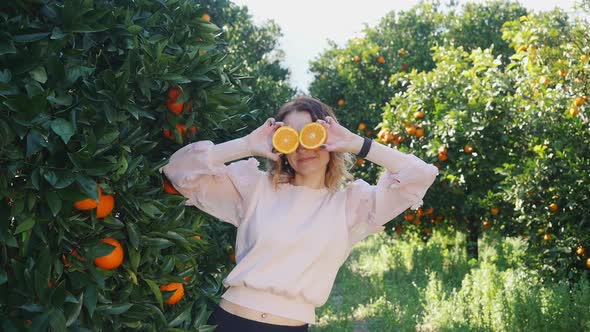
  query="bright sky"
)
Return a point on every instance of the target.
[{"x": 308, "y": 24}]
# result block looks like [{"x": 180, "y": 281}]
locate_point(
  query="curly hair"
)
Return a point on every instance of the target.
[{"x": 337, "y": 171}]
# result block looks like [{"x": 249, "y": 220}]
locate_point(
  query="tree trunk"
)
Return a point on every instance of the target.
[{"x": 472, "y": 235}]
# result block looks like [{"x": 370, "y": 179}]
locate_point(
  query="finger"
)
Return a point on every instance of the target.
[
  {"x": 324, "y": 123},
  {"x": 270, "y": 121},
  {"x": 329, "y": 119}
]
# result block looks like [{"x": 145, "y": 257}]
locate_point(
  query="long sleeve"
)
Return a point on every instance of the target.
[
  {"x": 369, "y": 207},
  {"x": 223, "y": 191}
]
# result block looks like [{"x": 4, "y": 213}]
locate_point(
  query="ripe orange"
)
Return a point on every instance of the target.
[
  {"x": 174, "y": 107},
  {"x": 106, "y": 203},
  {"x": 362, "y": 126},
  {"x": 468, "y": 149},
  {"x": 356, "y": 59},
  {"x": 368, "y": 133},
  {"x": 206, "y": 17},
  {"x": 416, "y": 221},
  {"x": 588, "y": 263},
  {"x": 381, "y": 60},
  {"x": 443, "y": 149},
  {"x": 360, "y": 162},
  {"x": 573, "y": 110},
  {"x": 232, "y": 256},
  {"x": 312, "y": 135},
  {"x": 285, "y": 139},
  {"x": 544, "y": 80},
  {"x": 411, "y": 130},
  {"x": 420, "y": 132},
  {"x": 404, "y": 67},
  {"x": 178, "y": 294},
  {"x": 197, "y": 237},
  {"x": 429, "y": 211},
  {"x": 89, "y": 203},
  {"x": 495, "y": 211},
  {"x": 114, "y": 259},
  {"x": 553, "y": 207},
  {"x": 169, "y": 188},
  {"x": 419, "y": 212},
  {"x": 419, "y": 115},
  {"x": 563, "y": 72},
  {"x": 409, "y": 217},
  {"x": 341, "y": 102},
  {"x": 486, "y": 224},
  {"x": 547, "y": 237},
  {"x": 580, "y": 251},
  {"x": 442, "y": 156},
  {"x": 579, "y": 101},
  {"x": 174, "y": 92}
]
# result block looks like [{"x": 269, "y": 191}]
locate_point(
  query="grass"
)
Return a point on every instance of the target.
[{"x": 392, "y": 285}]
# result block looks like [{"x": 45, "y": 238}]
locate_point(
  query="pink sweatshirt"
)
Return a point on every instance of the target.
[{"x": 291, "y": 243}]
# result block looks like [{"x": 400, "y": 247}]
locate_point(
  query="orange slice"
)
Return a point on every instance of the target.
[
  {"x": 285, "y": 139},
  {"x": 312, "y": 135}
]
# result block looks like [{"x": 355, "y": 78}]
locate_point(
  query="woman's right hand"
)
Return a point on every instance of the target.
[{"x": 260, "y": 140}]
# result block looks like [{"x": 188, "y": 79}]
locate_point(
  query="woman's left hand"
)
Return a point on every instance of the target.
[{"x": 340, "y": 139}]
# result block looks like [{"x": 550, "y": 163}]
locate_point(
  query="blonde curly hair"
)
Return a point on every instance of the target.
[{"x": 337, "y": 171}]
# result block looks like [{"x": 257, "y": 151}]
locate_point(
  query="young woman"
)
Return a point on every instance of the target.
[{"x": 296, "y": 224}]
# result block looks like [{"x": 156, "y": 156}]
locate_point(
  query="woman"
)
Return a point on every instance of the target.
[{"x": 296, "y": 226}]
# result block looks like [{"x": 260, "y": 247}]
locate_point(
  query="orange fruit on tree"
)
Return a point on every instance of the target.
[
  {"x": 360, "y": 162},
  {"x": 174, "y": 92},
  {"x": 409, "y": 217},
  {"x": 206, "y": 17},
  {"x": 411, "y": 130},
  {"x": 419, "y": 212},
  {"x": 553, "y": 207},
  {"x": 544, "y": 80},
  {"x": 106, "y": 203},
  {"x": 196, "y": 237},
  {"x": 285, "y": 139},
  {"x": 112, "y": 260},
  {"x": 368, "y": 133},
  {"x": 573, "y": 110},
  {"x": 88, "y": 203},
  {"x": 442, "y": 156},
  {"x": 547, "y": 237},
  {"x": 420, "y": 132},
  {"x": 486, "y": 224},
  {"x": 495, "y": 211},
  {"x": 468, "y": 149},
  {"x": 416, "y": 221},
  {"x": 232, "y": 256},
  {"x": 362, "y": 126},
  {"x": 312, "y": 135},
  {"x": 381, "y": 60},
  {"x": 404, "y": 67},
  {"x": 169, "y": 188},
  {"x": 588, "y": 263},
  {"x": 429, "y": 211},
  {"x": 341, "y": 102},
  {"x": 178, "y": 294},
  {"x": 580, "y": 251},
  {"x": 356, "y": 59},
  {"x": 174, "y": 107},
  {"x": 419, "y": 115},
  {"x": 443, "y": 149},
  {"x": 579, "y": 101}
]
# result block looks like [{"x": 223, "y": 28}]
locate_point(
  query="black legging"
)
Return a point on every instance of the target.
[{"x": 228, "y": 322}]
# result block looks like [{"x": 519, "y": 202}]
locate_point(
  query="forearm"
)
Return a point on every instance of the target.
[
  {"x": 382, "y": 155},
  {"x": 229, "y": 151}
]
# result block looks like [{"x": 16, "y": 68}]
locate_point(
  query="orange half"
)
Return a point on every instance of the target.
[
  {"x": 285, "y": 139},
  {"x": 312, "y": 135}
]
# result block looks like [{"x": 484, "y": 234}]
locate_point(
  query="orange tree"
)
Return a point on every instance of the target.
[
  {"x": 94, "y": 96},
  {"x": 355, "y": 79},
  {"x": 549, "y": 183},
  {"x": 510, "y": 137}
]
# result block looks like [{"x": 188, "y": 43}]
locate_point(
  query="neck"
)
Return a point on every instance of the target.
[{"x": 316, "y": 181}]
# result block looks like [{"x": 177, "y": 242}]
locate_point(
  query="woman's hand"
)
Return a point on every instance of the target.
[
  {"x": 340, "y": 139},
  {"x": 260, "y": 140}
]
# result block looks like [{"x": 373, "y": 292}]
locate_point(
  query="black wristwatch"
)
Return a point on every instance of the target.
[{"x": 365, "y": 149}]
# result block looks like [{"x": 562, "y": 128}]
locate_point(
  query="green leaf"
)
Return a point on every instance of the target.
[
  {"x": 73, "y": 316},
  {"x": 99, "y": 249},
  {"x": 134, "y": 29},
  {"x": 183, "y": 316},
  {"x": 54, "y": 202},
  {"x": 63, "y": 99},
  {"x": 30, "y": 37},
  {"x": 157, "y": 242},
  {"x": 90, "y": 299},
  {"x": 39, "y": 74},
  {"x": 156, "y": 290},
  {"x": 132, "y": 235},
  {"x": 63, "y": 128},
  {"x": 25, "y": 225},
  {"x": 88, "y": 186},
  {"x": 56, "y": 33},
  {"x": 57, "y": 320},
  {"x": 35, "y": 142},
  {"x": 3, "y": 276},
  {"x": 134, "y": 258},
  {"x": 115, "y": 309},
  {"x": 150, "y": 209},
  {"x": 175, "y": 78},
  {"x": 7, "y": 47}
]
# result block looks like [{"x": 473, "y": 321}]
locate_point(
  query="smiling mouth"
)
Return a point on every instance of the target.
[{"x": 306, "y": 159}]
